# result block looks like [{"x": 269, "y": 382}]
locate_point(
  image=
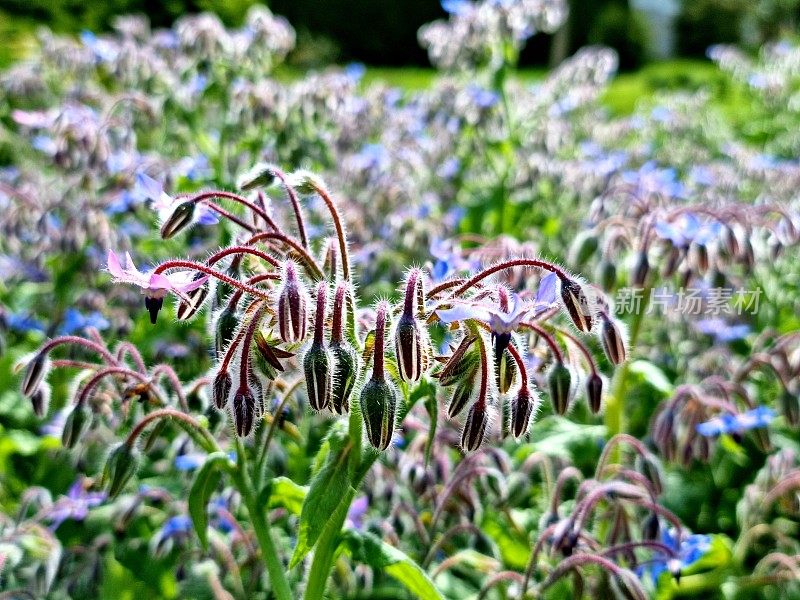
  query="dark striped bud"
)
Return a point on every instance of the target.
[
  {"x": 648, "y": 466},
  {"x": 194, "y": 300},
  {"x": 606, "y": 275},
  {"x": 409, "y": 349},
  {"x": 221, "y": 389},
  {"x": 40, "y": 400},
  {"x": 641, "y": 269},
  {"x": 317, "y": 369},
  {"x": 474, "y": 428},
  {"x": 522, "y": 407},
  {"x": 75, "y": 425},
  {"x": 462, "y": 394},
  {"x": 292, "y": 307},
  {"x": 613, "y": 340},
  {"x": 699, "y": 257},
  {"x": 244, "y": 410},
  {"x": 35, "y": 372},
  {"x": 673, "y": 261},
  {"x": 378, "y": 405},
  {"x": 576, "y": 304},
  {"x": 121, "y": 465},
  {"x": 594, "y": 392},
  {"x": 345, "y": 361},
  {"x": 790, "y": 408},
  {"x": 460, "y": 363},
  {"x": 224, "y": 329},
  {"x": 181, "y": 217},
  {"x": 731, "y": 242},
  {"x": 153, "y": 306},
  {"x": 268, "y": 356},
  {"x": 505, "y": 371},
  {"x": 560, "y": 382}
]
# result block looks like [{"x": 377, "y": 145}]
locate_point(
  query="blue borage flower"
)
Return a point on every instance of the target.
[
  {"x": 722, "y": 331},
  {"x": 194, "y": 460},
  {"x": 688, "y": 228},
  {"x": 760, "y": 416},
  {"x": 75, "y": 505},
  {"x": 75, "y": 321},
  {"x": 691, "y": 549}
]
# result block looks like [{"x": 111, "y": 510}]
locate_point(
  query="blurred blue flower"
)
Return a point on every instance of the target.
[
  {"x": 75, "y": 505},
  {"x": 176, "y": 526},
  {"x": 449, "y": 168},
  {"x": 355, "y": 516},
  {"x": 482, "y": 98},
  {"x": 722, "y": 331},
  {"x": 23, "y": 322},
  {"x": 691, "y": 549},
  {"x": 761, "y": 416},
  {"x": 124, "y": 202},
  {"x": 456, "y": 7},
  {"x": 75, "y": 321},
  {"x": 687, "y": 228},
  {"x": 355, "y": 70}
]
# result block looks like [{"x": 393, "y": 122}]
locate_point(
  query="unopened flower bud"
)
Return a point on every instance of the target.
[
  {"x": 292, "y": 307},
  {"x": 345, "y": 361},
  {"x": 261, "y": 175},
  {"x": 181, "y": 217},
  {"x": 462, "y": 394},
  {"x": 378, "y": 405},
  {"x": 221, "y": 389},
  {"x": 790, "y": 408},
  {"x": 560, "y": 382},
  {"x": 576, "y": 304},
  {"x": 462, "y": 362},
  {"x": 153, "y": 305},
  {"x": 75, "y": 425},
  {"x": 673, "y": 261},
  {"x": 40, "y": 400},
  {"x": 641, "y": 268},
  {"x": 594, "y": 392},
  {"x": 36, "y": 370},
  {"x": 121, "y": 465},
  {"x": 224, "y": 329},
  {"x": 649, "y": 467},
  {"x": 613, "y": 340},
  {"x": 187, "y": 308},
  {"x": 583, "y": 248},
  {"x": 244, "y": 410},
  {"x": 606, "y": 275},
  {"x": 317, "y": 369},
  {"x": 522, "y": 407},
  {"x": 409, "y": 348},
  {"x": 474, "y": 428},
  {"x": 699, "y": 257},
  {"x": 651, "y": 527}
]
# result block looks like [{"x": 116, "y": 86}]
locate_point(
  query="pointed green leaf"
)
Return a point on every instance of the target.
[{"x": 205, "y": 482}]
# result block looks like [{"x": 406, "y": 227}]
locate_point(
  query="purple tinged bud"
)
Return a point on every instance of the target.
[
  {"x": 409, "y": 349},
  {"x": 292, "y": 307},
  {"x": 153, "y": 305},
  {"x": 221, "y": 389},
  {"x": 699, "y": 256},
  {"x": 641, "y": 269},
  {"x": 35, "y": 372},
  {"x": 474, "y": 428},
  {"x": 40, "y": 400},
  {"x": 576, "y": 304},
  {"x": 673, "y": 261},
  {"x": 613, "y": 341},
  {"x": 522, "y": 407},
  {"x": 560, "y": 382},
  {"x": 244, "y": 410},
  {"x": 594, "y": 392},
  {"x": 178, "y": 220}
]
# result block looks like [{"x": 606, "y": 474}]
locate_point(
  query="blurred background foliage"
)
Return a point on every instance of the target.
[{"x": 383, "y": 32}]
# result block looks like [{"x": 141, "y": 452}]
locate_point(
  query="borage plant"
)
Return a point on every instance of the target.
[{"x": 282, "y": 317}]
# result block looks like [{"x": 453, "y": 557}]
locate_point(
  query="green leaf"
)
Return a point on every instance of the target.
[
  {"x": 369, "y": 549},
  {"x": 205, "y": 482},
  {"x": 652, "y": 375},
  {"x": 287, "y": 494},
  {"x": 329, "y": 488}
]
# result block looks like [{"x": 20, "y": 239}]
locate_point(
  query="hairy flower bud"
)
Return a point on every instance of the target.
[
  {"x": 409, "y": 349},
  {"x": 462, "y": 394},
  {"x": 474, "y": 427},
  {"x": 35, "y": 372},
  {"x": 317, "y": 365},
  {"x": 641, "y": 268},
  {"x": 194, "y": 300},
  {"x": 560, "y": 382},
  {"x": 292, "y": 307},
  {"x": 522, "y": 407},
  {"x": 583, "y": 248},
  {"x": 75, "y": 425},
  {"x": 345, "y": 361},
  {"x": 221, "y": 389},
  {"x": 576, "y": 304},
  {"x": 461, "y": 362},
  {"x": 606, "y": 275},
  {"x": 613, "y": 340},
  {"x": 378, "y": 405},
  {"x": 224, "y": 329},
  {"x": 261, "y": 175},
  {"x": 244, "y": 410},
  {"x": 505, "y": 371},
  {"x": 121, "y": 465},
  {"x": 181, "y": 217},
  {"x": 40, "y": 400},
  {"x": 594, "y": 392}
]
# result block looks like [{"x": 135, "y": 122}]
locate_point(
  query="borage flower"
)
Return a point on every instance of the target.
[
  {"x": 154, "y": 285},
  {"x": 76, "y": 504},
  {"x": 760, "y": 416}
]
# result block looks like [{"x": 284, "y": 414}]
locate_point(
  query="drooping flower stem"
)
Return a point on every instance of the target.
[
  {"x": 188, "y": 264},
  {"x": 199, "y": 433},
  {"x": 74, "y": 339},
  {"x": 298, "y": 213},
  {"x": 308, "y": 260},
  {"x": 204, "y": 196},
  {"x": 103, "y": 373},
  {"x": 215, "y": 258},
  {"x": 510, "y": 264},
  {"x": 547, "y": 338},
  {"x": 337, "y": 223}
]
